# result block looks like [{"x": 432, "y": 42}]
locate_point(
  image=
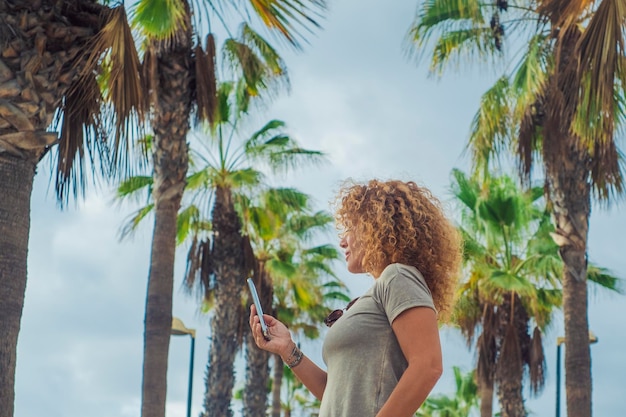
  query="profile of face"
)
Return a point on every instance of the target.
[{"x": 353, "y": 252}]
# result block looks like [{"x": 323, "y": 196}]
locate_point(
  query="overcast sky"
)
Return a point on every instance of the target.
[{"x": 357, "y": 98}]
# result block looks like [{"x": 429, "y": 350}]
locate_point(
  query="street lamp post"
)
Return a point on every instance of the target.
[
  {"x": 561, "y": 341},
  {"x": 179, "y": 329}
]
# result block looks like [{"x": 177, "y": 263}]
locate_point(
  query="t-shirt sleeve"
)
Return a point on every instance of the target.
[{"x": 400, "y": 288}]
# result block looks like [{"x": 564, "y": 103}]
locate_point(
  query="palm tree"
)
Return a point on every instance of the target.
[
  {"x": 462, "y": 404},
  {"x": 53, "y": 55},
  {"x": 220, "y": 256},
  {"x": 513, "y": 269},
  {"x": 74, "y": 63},
  {"x": 279, "y": 226},
  {"x": 563, "y": 101},
  {"x": 513, "y": 285},
  {"x": 167, "y": 67},
  {"x": 181, "y": 81}
]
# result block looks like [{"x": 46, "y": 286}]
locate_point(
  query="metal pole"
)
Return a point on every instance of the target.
[
  {"x": 189, "y": 388},
  {"x": 558, "y": 380}
]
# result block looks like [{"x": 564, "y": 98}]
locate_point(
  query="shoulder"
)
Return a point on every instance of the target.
[
  {"x": 401, "y": 287},
  {"x": 401, "y": 274}
]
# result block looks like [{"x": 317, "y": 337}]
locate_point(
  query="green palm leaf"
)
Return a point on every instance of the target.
[
  {"x": 133, "y": 185},
  {"x": 159, "y": 19},
  {"x": 491, "y": 127}
]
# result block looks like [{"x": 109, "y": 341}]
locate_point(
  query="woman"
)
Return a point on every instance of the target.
[{"x": 383, "y": 354}]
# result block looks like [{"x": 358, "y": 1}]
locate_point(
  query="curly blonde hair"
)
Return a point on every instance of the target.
[{"x": 401, "y": 222}]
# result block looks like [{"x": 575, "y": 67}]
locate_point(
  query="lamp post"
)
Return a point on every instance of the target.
[
  {"x": 179, "y": 329},
  {"x": 561, "y": 341}
]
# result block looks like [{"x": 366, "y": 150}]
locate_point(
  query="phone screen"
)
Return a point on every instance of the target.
[{"x": 259, "y": 310}]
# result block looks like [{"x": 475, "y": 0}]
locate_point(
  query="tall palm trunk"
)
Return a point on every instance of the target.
[
  {"x": 568, "y": 173},
  {"x": 572, "y": 202},
  {"x": 514, "y": 344},
  {"x": 170, "y": 121},
  {"x": 257, "y": 379},
  {"x": 229, "y": 267},
  {"x": 16, "y": 183},
  {"x": 277, "y": 385},
  {"x": 38, "y": 42},
  {"x": 487, "y": 357},
  {"x": 486, "y": 398},
  {"x": 257, "y": 360}
]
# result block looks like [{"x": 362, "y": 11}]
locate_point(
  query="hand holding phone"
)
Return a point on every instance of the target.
[{"x": 259, "y": 310}]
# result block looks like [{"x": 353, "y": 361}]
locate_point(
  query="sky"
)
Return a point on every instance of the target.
[{"x": 357, "y": 97}]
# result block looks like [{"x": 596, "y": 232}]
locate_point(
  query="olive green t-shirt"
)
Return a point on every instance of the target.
[{"x": 362, "y": 355}]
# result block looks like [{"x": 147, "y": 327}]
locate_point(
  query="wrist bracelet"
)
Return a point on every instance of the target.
[
  {"x": 293, "y": 353},
  {"x": 295, "y": 357}
]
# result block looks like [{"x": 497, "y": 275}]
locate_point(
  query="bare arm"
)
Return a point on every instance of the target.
[
  {"x": 311, "y": 375},
  {"x": 418, "y": 335}
]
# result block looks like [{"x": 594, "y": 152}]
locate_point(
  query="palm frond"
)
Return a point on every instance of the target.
[
  {"x": 185, "y": 222},
  {"x": 563, "y": 14},
  {"x": 125, "y": 86},
  {"x": 603, "y": 278},
  {"x": 201, "y": 178},
  {"x": 537, "y": 363},
  {"x": 244, "y": 177},
  {"x": 284, "y": 201},
  {"x": 290, "y": 17},
  {"x": 464, "y": 190},
  {"x": 206, "y": 81},
  {"x": 601, "y": 46},
  {"x": 199, "y": 270},
  {"x": 531, "y": 74},
  {"x": 243, "y": 60},
  {"x": 456, "y": 47},
  {"x": 85, "y": 123},
  {"x": 81, "y": 135},
  {"x": 132, "y": 186},
  {"x": 270, "y": 56},
  {"x": 490, "y": 132},
  {"x": 265, "y": 131},
  {"x": 507, "y": 282},
  {"x": 131, "y": 225},
  {"x": 223, "y": 110},
  {"x": 510, "y": 365},
  {"x": 529, "y": 84},
  {"x": 162, "y": 20},
  {"x": 440, "y": 17}
]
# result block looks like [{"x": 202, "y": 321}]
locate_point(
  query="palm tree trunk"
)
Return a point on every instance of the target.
[
  {"x": 277, "y": 385},
  {"x": 568, "y": 172},
  {"x": 38, "y": 40},
  {"x": 486, "y": 400},
  {"x": 257, "y": 369},
  {"x": 572, "y": 201},
  {"x": 257, "y": 379},
  {"x": 16, "y": 183},
  {"x": 170, "y": 122},
  {"x": 513, "y": 348},
  {"x": 158, "y": 312},
  {"x": 230, "y": 272}
]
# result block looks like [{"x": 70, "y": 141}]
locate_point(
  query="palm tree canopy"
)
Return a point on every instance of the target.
[
  {"x": 290, "y": 20},
  {"x": 514, "y": 112}
]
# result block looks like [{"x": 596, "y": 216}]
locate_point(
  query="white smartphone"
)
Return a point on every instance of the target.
[{"x": 259, "y": 310}]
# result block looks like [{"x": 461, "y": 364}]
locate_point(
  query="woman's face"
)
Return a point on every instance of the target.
[{"x": 354, "y": 254}]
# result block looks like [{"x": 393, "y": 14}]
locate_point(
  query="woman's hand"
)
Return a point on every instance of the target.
[{"x": 279, "y": 336}]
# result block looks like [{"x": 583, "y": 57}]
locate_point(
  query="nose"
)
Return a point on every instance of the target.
[{"x": 343, "y": 243}]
